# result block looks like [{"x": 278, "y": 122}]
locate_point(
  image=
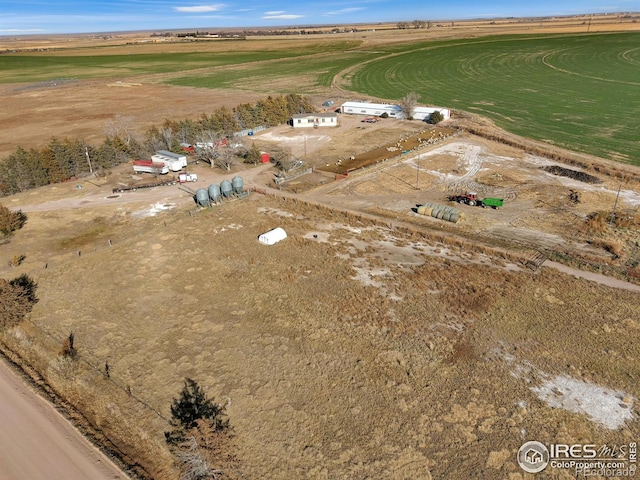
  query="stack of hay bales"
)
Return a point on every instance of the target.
[{"x": 441, "y": 212}]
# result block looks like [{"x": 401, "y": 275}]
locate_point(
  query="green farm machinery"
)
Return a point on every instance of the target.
[{"x": 472, "y": 200}]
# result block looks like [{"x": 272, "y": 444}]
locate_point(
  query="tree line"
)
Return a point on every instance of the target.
[{"x": 64, "y": 159}]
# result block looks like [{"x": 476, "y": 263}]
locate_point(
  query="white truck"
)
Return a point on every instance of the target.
[{"x": 187, "y": 177}]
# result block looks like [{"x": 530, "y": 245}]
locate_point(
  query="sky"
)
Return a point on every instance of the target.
[{"x": 24, "y": 17}]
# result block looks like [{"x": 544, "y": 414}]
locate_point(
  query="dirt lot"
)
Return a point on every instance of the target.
[
  {"x": 350, "y": 349},
  {"x": 372, "y": 342}
]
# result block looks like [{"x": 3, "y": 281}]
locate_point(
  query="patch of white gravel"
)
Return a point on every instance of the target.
[
  {"x": 607, "y": 407},
  {"x": 153, "y": 210},
  {"x": 604, "y": 406}
]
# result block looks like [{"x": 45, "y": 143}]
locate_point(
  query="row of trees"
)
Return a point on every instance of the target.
[
  {"x": 65, "y": 159},
  {"x": 417, "y": 24}
]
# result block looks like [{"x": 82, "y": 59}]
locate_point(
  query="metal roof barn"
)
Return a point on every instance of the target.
[
  {"x": 423, "y": 113},
  {"x": 367, "y": 108},
  {"x": 273, "y": 236}
]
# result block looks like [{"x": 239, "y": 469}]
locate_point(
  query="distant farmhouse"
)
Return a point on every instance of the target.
[
  {"x": 393, "y": 111},
  {"x": 315, "y": 120}
]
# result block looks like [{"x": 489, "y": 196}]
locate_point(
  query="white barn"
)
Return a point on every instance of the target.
[
  {"x": 372, "y": 109},
  {"x": 423, "y": 113},
  {"x": 273, "y": 236},
  {"x": 394, "y": 111},
  {"x": 307, "y": 120}
]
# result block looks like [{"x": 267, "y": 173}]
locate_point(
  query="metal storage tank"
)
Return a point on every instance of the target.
[
  {"x": 226, "y": 188},
  {"x": 214, "y": 193},
  {"x": 237, "y": 184},
  {"x": 202, "y": 197}
]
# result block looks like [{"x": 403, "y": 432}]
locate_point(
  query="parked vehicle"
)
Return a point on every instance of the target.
[
  {"x": 473, "y": 200},
  {"x": 133, "y": 188},
  {"x": 187, "y": 177},
  {"x": 188, "y": 148},
  {"x": 149, "y": 166}
]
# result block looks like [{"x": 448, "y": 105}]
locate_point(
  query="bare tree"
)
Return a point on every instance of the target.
[
  {"x": 207, "y": 147},
  {"x": 226, "y": 159},
  {"x": 408, "y": 103},
  {"x": 417, "y": 24},
  {"x": 122, "y": 127},
  {"x": 403, "y": 25},
  {"x": 284, "y": 159},
  {"x": 195, "y": 465},
  {"x": 167, "y": 135}
]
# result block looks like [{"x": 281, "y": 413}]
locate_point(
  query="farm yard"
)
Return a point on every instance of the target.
[{"x": 372, "y": 341}]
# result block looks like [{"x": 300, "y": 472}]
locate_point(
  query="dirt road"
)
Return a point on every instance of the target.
[{"x": 36, "y": 442}]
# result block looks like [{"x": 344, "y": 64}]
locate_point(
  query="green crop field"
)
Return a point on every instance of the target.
[
  {"x": 581, "y": 92},
  {"x": 306, "y": 74},
  {"x": 578, "y": 91},
  {"x": 21, "y": 68}
]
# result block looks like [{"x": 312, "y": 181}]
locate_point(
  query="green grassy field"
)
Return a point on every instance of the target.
[
  {"x": 581, "y": 92},
  {"x": 311, "y": 73},
  {"x": 22, "y": 68}
]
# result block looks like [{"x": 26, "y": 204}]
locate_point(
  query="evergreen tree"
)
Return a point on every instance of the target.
[{"x": 193, "y": 405}]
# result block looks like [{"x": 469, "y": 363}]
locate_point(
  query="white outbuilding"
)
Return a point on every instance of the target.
[
  {"x": 371, "y": 109},
  {"x": 273, "y": 236},
  {"x": 423, "y": 113},
  {"x": 393, "y": 111},
  {"x": 306, "y": 120}
]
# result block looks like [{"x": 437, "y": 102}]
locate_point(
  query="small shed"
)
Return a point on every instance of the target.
[{"x": 273, "y": 236}]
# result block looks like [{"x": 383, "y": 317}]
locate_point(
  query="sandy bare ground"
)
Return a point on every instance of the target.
[{"x": 39, "y": 444}]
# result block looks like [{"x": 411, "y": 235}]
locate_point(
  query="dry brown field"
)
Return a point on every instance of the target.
[{"x": 372, "y": 342}]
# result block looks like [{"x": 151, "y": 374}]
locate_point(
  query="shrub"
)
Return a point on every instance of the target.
[
  {"x": 434, "y": 118},
  {"x": 16, "y": 300},
  {"x": 11, "y": 221},
  {"x": 17, "y": 260},
  {"x": 193, "y": 405},
  {"x": 25, "y": 287},
  {"x": 68, "y": 350}
]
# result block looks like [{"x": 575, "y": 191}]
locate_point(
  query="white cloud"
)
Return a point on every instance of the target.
[
  {"x": 199, "y": 8},
  {"x": 275, "y": 12},
  {"x": 21, "y": 30},
  {"x": 285, "y": 16},
  {"x": 346, "y": 10}
]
